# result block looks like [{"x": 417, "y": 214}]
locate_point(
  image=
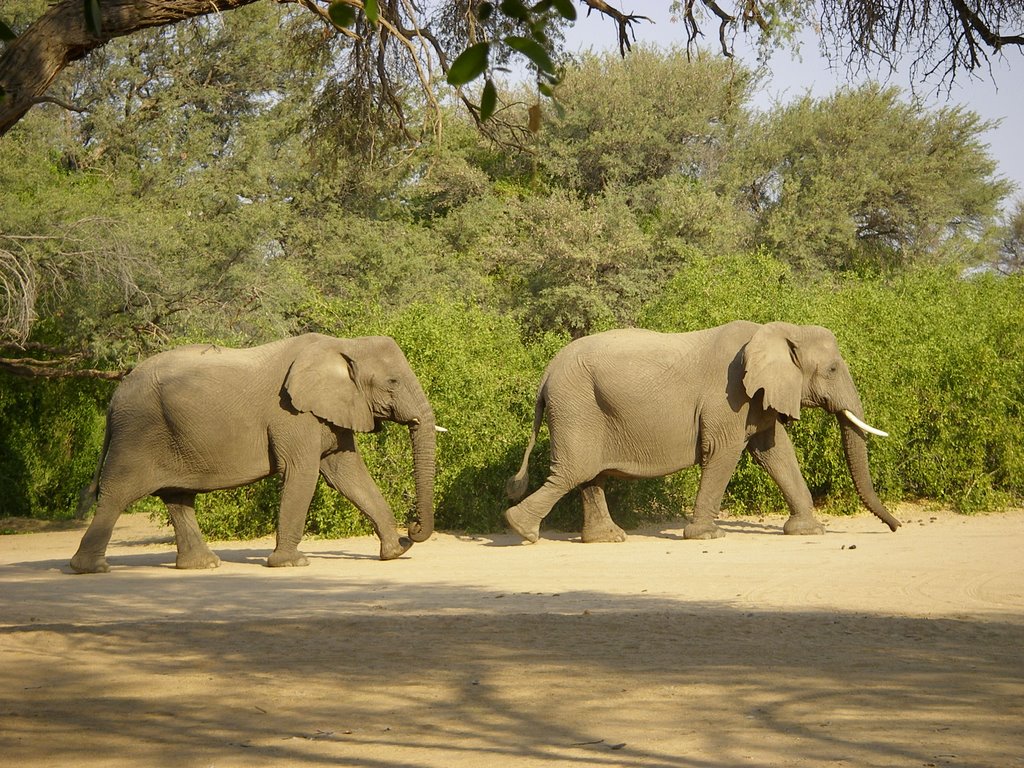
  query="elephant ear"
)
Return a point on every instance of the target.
[
  {"x": 321, "y": 380},
  {"x": 770, "y": 363}
]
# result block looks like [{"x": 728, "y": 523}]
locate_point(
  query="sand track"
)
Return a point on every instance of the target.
[{"x": 858, "y": 648}]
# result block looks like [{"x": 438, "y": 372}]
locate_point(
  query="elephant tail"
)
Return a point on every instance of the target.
[
  {"x": 517, "y": 485},
  {"x": 88, "y": 495}
]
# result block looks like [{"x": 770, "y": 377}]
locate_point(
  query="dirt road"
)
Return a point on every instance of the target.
[{"x": 858, "y": 648}]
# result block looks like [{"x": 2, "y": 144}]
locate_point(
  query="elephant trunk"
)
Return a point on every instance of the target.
[
  {"x": 856, "y": 449},
  {"x": 423, "y": 433}
]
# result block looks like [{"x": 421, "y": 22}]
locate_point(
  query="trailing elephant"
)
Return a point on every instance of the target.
[
  {"x": 202, "y": 417},
  {"x": 632, "y": 403}
]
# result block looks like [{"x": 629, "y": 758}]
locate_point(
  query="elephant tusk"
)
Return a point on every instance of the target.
[
  {"x": 416, "y": 423},
  {"x": 865, "y": 427}
]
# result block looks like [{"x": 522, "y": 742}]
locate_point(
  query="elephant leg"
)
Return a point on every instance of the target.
[
  {"x": 525, "y": 517},
  {"x": 91, "y": 555},
  {"x": 597, "y": 522},
  {"x": 717, "y": 468},
  {"x": 296, "y": 494},
  {"x": 346, "y": 473},
  {"x": 192, "y": 550},
  {"x": 773, "y": 450}
]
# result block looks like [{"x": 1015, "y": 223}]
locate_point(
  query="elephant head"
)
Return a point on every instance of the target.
[
  {"x": 356, "y": 384},
  {"x": 798, "y": 366}
]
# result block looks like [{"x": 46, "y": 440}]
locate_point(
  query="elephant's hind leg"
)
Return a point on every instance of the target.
[
  {"x": 597, "y": 522},
  {"x": 525, "y": 517},
  {"x": 91, "y": 556},
  {"x": 193, "y": 553}
]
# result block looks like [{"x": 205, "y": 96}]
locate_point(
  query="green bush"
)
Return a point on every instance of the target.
[
  {"x": 50, "y": 437},
  {"x": 481, "y": 379},
  {"x": 938, "y": 360}
]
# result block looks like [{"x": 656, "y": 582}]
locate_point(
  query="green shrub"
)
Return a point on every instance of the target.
[
  {"x": 50, "y": 437},
  {"x": 481, "y": 379},
  {"x": 938, "y": 360}
]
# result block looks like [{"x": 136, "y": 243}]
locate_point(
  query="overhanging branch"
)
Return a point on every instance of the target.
[
  {"x": 624, "y": 22},
  {"x": 53, "y": 369},
  {"x": 30, "y": 63},
  {"x": 973, "y": 21}
]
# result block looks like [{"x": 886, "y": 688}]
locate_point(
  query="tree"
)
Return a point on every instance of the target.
[
  {"x": 632, "y": 121},
  {"x": 864, "y": 179},
  {"x": 947, "y": 35},
  {"x": 1012, "y": 256},
  {"x": 161, "y": 212}
]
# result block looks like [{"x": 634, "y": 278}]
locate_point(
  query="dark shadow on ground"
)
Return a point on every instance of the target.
[{"x": 272, "y": 681}]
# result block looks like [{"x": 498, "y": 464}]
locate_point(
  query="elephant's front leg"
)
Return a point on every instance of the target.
[
  {"x": 347, "y": 474},
  {"x": 192, "y": 549},
  {"x": 773, "y": 450},
  {"x": 296, "y": 494},
  {"x": 597, "y": 522},
  {"x": 717, "y": 466}
]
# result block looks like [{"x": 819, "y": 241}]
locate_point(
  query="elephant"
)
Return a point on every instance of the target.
[
  {"x": 633, "y": 403},
  {"x": 202, "y": 417}
]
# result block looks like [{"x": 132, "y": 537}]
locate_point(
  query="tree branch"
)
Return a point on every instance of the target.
[
  {"x": 54, "y": 369},
  {"x": 972, "y": 20},
  {"x": 61, "y": 103},
  {"x": 624, "y": 22},
  {"x": 30, "y": 63}
]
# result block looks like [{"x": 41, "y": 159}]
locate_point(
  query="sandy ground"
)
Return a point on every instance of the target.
[{"x": 857, "y": 648}]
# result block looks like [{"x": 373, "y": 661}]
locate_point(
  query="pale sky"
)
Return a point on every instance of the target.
[{"x": 791, "y": 77}]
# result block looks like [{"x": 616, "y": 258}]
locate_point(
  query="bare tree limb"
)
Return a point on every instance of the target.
[
  {"x": 60, "y": 103},
  {"x": 972, "y": 20},
  {"x": 624, "y": 22},
  {"x": 54, "y": 369}
]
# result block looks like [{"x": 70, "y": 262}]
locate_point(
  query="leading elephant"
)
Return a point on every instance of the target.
[
  {"x": 633, "y": 403},
  {"x": 203, "y": 417}
]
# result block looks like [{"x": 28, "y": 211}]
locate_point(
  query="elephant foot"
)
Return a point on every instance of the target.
[
  {"x": 399, "y": 548},
  {"x": 703, "y": 530},
  {"x": 803, "y": 525},
  {"x": 603, "y": 533},
  {"x": 191, "y": 561},
  {"x": 89, "y": 564},
  {"x": 284, "y": 559},
  {"x": 524, "y": 524}
]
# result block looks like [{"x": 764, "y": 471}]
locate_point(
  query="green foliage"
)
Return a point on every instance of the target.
[
  {"x": 645, "y": 117},
  {"x": 51, "y": 431},
  {"x": 559, "y": 262},
  {"x": 936, "y": 357},
  {"x": 218, "y": 191},
  {"x": 469, "y": 65},
  {"x": 864, "y": 180}
]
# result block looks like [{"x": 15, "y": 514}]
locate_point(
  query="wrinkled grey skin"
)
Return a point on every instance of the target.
[
  {"x": 202, "y": 418},
  {"x": 633, "y": 403}
]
